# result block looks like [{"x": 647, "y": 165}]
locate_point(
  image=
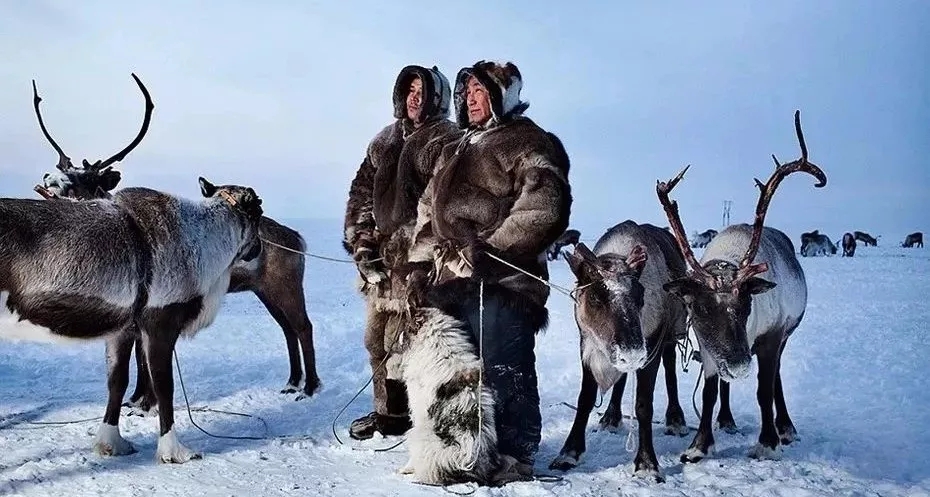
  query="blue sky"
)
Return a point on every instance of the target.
[{"x": 284, "y": 96}]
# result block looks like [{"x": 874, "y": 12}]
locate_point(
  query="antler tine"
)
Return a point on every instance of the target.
[
  {"x": 674, "y": 221},
  {"x": 64, "y": 162},
  {"x": 797, "y": 129},
  {"x": 149, "y": 106},
  {"x": 765, "y": 197}
]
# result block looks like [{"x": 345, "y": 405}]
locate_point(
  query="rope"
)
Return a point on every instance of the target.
[
  {"x": 550, "y": 284},
  {"x": 322, "y": 257}
]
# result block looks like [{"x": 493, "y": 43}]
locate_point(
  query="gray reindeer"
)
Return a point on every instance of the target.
[
  {"x": 628, "y": 323},
  {"x": 142, "y": 265},
  {"x": 745, "y": 297},
  {"x": 275, "y": 277}
]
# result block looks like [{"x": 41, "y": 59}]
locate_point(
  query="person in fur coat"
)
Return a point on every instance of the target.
[
  {"x": 500, "y": 190},
  {"x": 379, "y": 219}
]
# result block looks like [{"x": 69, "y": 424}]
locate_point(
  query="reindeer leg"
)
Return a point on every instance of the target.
[
  {"x": 290, "y": 338},
  {"x": 109, "y": 442},
  {"x": 767, "y": 354},
  {"x": 674, "y": 415},
  {"x": 703, "y": 442},
  {"x": 613, "y": 416},
  {"x": 158, "y": 350},
  {"x": 786, "y": 430},
  {"x": 646, "y": 464},
  {"x": 142, "y": 402},
  {"x": 725, "y": 416},
  {"x": 574, "y": 446}
]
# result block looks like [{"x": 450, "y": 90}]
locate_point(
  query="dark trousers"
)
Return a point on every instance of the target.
[{"x": 507, "y": 350}]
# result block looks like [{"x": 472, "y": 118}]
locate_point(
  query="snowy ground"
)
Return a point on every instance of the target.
[{"x": 852, "y": 375}]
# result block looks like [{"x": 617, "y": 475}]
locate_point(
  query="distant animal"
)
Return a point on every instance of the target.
[
  {"x": 628, "y": 324},
  {"x": 849, "y": 245},
  {"x": 866, "y": 238},
  {"x": 275, "y": 277},
  {"x": 915, "y": 239},
  {"x": 570, "y": 237},
  {"x": 143, "y": 265},
  {"x": 701, "y": 240},
  {"x": 745, "y": 297},
  {"x": 815, "y": 244}
]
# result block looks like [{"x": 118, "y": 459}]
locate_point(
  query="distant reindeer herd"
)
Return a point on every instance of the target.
[{"x": 140, "y": 268}]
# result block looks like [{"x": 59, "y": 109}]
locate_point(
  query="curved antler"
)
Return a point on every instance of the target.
[
  {"x": 64, "y": 162},
  {"x": 767, "y": 190},
  {"x": 149, "y": 106},
  {"x": 674, "y": 221}
]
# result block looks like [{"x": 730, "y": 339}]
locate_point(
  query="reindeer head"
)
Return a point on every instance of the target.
[
  {"x": 609, "y": 302},
  {"x": 718, "y": 294},
  {"x": 89, "y": 180},
  {"x": 248, "y": 207}
]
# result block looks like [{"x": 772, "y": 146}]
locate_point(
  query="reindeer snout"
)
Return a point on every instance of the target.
[
  {"x": 735, "y": 369},
  {"x": 629, "y": 359}
]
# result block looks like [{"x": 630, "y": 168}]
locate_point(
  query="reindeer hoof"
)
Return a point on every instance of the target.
[
  {"x": 694, "y": 454},
  {"x": 290, "y": 388},
  {"x": 677, "y": 429},
  {"x": 309, "y": 390},
  {"x": 170, "y": 450},
  {"x": 761, "y": 452},
  {"x": 110, "y": 443},
  {"x": 787, "y": 435},
  {"x": 565, "y": 462},
  {"x": 728, "y": 426},
  {"x": 649, "y": 474}
]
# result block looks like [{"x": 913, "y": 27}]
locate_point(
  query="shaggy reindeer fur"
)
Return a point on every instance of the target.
[
  {"x": 143, "y": 260},
  {"x": 453, "y": 438}
]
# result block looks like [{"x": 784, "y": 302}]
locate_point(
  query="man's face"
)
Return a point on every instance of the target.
[
  {"x": 479, "y": 103},
  {"x": 415, "y": 99}
]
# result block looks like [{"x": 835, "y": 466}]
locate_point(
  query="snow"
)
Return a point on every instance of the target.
[{"x": 851, "y": 374}]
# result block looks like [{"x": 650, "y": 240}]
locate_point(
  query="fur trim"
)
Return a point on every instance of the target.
[
  {"x": 448, "y": 442},
  {"x": 436, "y": 92},
  {"x": 503, "y": 83}
]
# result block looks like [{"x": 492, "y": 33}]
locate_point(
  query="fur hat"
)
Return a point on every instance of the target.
[
  {"x": 436, "y": 92},
  {"x": 503, "y": 83}
]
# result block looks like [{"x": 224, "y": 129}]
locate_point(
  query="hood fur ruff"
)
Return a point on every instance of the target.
[
  {"x": 436, "y": 92},
  {"x": 503, "y": 83}
]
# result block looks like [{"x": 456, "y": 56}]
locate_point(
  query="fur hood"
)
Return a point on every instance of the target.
[
  {"x": 503, "y": 82},
  {"x": 436, "y": 92}
]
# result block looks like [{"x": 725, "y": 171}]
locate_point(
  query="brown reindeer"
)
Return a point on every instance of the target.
[{"x": 275, "y": 277}]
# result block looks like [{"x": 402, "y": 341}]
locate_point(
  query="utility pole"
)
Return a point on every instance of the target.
[{"x": 726, "y": 212}]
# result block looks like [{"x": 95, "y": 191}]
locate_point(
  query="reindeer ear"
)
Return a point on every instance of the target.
[
  {"x": 575, "y": 263},
  {"x": 756, "y": 285},
  {"x": 636, "y": 261},
  {"x": 206, "y": 188},
  {"x": 682, "y": 287},
  {"x": 109, "y": 179}
]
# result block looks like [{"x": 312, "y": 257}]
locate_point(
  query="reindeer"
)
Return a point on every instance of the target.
[
  {"x": 849, "y": 245},
  {"x": 916, "y": 238},
  {"x": 814, "y": 244},
  {"x": 142, "y": 265},
  {"x": 628, "y": 323},
  {"x": 701, "y": 240},
  {"x": 736, "y": 313},
  {"x": 275, "y": 277},
  {"x": 570, "y": 237},
  {"x": 866, "y": 238}
]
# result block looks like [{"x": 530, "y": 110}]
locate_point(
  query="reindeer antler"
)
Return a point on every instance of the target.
[
  {"x": 766, "y": 191},
  {"x": 674, "y": 221},
  {"x": 64, "y": 162},
  {"x": 149, "y": 106}
]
